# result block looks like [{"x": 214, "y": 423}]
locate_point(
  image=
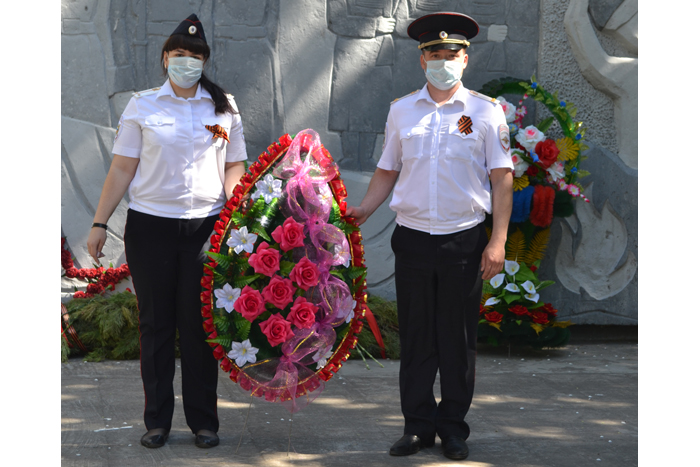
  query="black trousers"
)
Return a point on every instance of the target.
[
  {"x": 166, "y": 257},
  {"x": 438, "y": 291}
]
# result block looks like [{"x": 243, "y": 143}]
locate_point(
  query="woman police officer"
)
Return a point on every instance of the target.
[{"x": 179, "y": 150}]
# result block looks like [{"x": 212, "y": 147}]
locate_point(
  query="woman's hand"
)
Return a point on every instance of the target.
[{"x": 96, "y": 240}]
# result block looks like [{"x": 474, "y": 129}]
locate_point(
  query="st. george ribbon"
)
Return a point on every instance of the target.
[{"x": 308, "y": 200}]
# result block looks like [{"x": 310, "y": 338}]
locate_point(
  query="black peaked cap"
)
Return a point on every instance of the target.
[
  {"x": 441, "y": 26},
  {"x": 190, "y": 27}
]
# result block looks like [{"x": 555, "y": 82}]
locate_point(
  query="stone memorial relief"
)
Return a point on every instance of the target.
[
  {"x": 595, "y": 258},
  {"x": 376, "y": 62},
  {"x": 612, "y": 75},
  {"x": 600, "y": 264}
]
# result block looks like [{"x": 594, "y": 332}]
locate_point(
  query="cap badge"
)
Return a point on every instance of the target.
[
  {"x": 443, "y": 35},
  {"x": 192, "y": 29}
]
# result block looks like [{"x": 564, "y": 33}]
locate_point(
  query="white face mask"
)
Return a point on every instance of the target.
[
  {"x": 185, "y": 71},
  {"x": 443, "y": 74}
]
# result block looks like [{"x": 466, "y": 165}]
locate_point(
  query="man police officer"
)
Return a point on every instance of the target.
[{"x": 447, "y": 156}]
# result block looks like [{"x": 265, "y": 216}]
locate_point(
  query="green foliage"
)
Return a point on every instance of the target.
[
  {"x": 107, "y": 326},
  {"x": 522, "y": 334},
  {"x": 388, "y": 321},
  {"x": 545, "y": 124}
]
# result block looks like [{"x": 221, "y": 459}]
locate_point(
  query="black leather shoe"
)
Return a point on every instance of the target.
[
  {"x": 407, "y": 445},
  {"x": 206, "y": 439},
  {"x": 155, "y": 438},
  {"x": 455, "y": 448}
]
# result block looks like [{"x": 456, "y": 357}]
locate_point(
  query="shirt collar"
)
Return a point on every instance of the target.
[
  {"x": 460, "y": 95},
  {"x": 167, "y": 90}
]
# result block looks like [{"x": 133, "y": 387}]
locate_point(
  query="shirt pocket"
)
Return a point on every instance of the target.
[
  {"x": 224, "y": 123},
  {"x": 461, "y": 146},
  {"x": 160, "y": 129},
  {"x": 413, "y": 141}
]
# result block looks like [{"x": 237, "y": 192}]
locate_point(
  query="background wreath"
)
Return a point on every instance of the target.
[{"x": 545, "y": 186}]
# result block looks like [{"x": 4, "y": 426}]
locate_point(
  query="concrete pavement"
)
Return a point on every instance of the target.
[{"x": 573, "y": 406}]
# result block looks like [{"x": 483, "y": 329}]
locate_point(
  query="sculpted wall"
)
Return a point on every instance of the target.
[{"x": 335, "y": 66}]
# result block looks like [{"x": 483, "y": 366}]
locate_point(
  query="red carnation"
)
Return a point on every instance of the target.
[
  {"x": 549, "y": 309},
  {"x": 542, "y": 206}
]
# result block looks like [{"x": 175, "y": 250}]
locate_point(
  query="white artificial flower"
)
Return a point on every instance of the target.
[
  {"x": 556, "y": 170},
  {"x": 512, "y": 267},
  {"x": 241, "y": 240},
  {"x": 497, "y": 280},
  {"x": 519, "y": 164},
  {"x": 529, "y": 287},
  {"x": 351, "y": 315},
  {"x": 533, "y": 297},
  {"x": 492, "y": 301},
  {"x": 243, "y": 352},
  {"x": 326, "y": 354},
  {"x": 528, "y": 137},
  {"x": 512, "y": 288},
  {"x": 508, "y": 109},
  {"x": 269, "y": 188},
  {"x": 226, "y": 297}
]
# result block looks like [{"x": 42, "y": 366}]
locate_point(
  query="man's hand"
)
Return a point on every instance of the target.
[
  {"x": 502, "y": 199},
  {"x": 378, "y": 190},
  {"x": 358, "y": 212},
  {"x": 492, "y": 260}
]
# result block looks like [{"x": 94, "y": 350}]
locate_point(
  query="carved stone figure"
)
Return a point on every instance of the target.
[
  {"x": 375, "y": 62},
  {"x": 614, "y": 76}
]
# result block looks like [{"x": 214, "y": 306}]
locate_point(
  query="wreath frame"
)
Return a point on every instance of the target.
[{"x": 223, "y": 226}]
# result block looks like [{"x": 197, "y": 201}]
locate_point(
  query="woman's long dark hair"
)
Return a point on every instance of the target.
[{"x": 198, "y": 46}]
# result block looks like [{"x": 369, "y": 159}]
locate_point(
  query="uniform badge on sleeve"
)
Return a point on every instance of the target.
[
  {"x": 465, "y": 125},
  {"x": 119, "y": 126},
  {"x": 504, "y": 136}
]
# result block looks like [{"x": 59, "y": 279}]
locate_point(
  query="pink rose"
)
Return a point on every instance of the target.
[
  {"x": 266, "y": 260},
  {"x": 303, "y": 314},
  {"x": 276, "y": 329},
  {"x": 305, "y": 273},
  {"x": 250, "y": 304},
  {"x": 289, "y": 235},
  {"x": 279, "y": 292}
]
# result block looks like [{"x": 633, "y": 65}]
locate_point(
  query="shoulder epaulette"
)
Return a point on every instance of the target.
[
  {"x": 493, "y": 100},
  {"x": 403, "y": 97},
  {"x": 146, "y": 92}
]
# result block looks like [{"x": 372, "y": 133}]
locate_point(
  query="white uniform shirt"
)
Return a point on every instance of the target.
[
  {"x": 443, "y": 185},
  {"x": 181, "y": 167}
]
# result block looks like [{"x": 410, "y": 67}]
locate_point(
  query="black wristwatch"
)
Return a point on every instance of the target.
[{"x": 97, "y": 224}]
